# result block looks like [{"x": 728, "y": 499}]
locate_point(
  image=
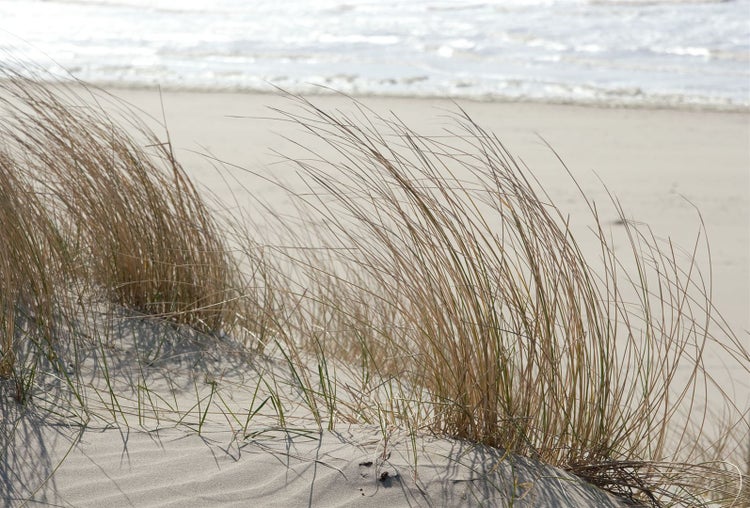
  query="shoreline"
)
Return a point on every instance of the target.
[{"x": 314, "y": 90}]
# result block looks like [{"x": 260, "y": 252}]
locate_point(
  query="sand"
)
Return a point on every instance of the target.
[
  {"x": 154, "y": 445},
  {"x": 663, "y": 165}
]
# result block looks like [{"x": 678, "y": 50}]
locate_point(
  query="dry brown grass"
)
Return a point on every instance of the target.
[
  {"x": 444, "y": 264},
  {"x": 31, "y": 268},
  {"x": 92, "y": 215},
  {"x": 132, "y": 221}
]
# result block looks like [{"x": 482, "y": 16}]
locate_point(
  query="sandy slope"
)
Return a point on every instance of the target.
[
  {"x": 163, "y": 449},
  {"x": 173, "y": 468}
]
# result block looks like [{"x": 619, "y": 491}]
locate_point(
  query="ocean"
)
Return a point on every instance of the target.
[{"x": 630, "y": 52}]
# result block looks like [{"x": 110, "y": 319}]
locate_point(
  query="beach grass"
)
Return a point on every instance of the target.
[
  {"x": 125, "y": 208},
  {"x": 434, "y": 271}
]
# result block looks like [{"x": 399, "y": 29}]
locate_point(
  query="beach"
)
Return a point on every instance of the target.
[
  {"x": 664, "y": 165},
  {"x": 684, "y": 172}
]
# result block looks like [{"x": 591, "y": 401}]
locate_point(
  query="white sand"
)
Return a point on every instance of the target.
[
  {"x": 650, "y": 159},
  {"x": 657, "y": 162},
  {"x": 158, "y": 448}
]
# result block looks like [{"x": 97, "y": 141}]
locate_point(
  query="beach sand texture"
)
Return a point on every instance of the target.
[
  {"x": 208, "y": 459},
  {"x": 662, "y": 165}
]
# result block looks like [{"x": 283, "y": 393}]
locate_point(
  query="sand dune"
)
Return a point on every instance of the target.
[{"x": 176, "y": 432}]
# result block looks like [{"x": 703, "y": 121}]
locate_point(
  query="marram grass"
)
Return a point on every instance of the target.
[
  {"x": 442, "y": 262},
  {"x": 128, "y": 213},
  {"x": 435, "y": 268}
]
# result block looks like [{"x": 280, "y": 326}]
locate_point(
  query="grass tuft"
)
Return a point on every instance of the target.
[
  {"x": 446, "y": 264},
  {"x": 130, "y": 219}
]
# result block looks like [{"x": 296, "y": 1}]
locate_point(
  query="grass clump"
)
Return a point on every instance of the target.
[
  {"x": 95, "y": 219},
  {"x": 133, "y": 222},
  {"x": 445, "y": 264}
]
